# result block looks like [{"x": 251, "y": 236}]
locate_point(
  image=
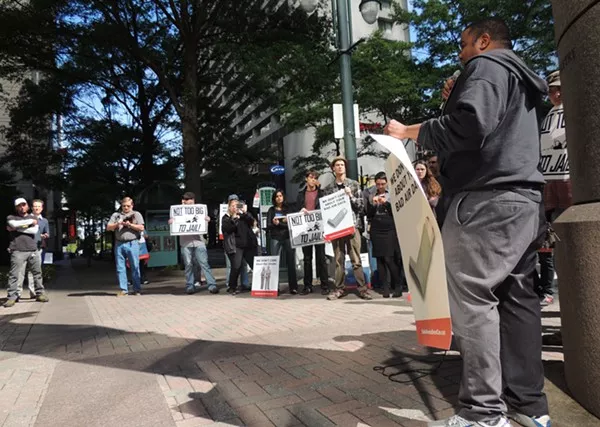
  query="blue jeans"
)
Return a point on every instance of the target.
[
  {"x": 201, "y": 255},
  {"x": 131, "y": 252},
  {"x": 243, "y": 272}
]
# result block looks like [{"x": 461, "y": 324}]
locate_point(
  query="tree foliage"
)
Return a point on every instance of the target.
[{"x": 438, "y": 25}]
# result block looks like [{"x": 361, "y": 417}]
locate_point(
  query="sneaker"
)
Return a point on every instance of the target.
[
  {"x": 42, "y": 298},
  {"x": 190, "y": 290},
  {"x": 366, "y": 296},
  {"x": 527, "y": 421},
  {"x": 230, "y": 290},
  {"x": 122, "y": 294},
  {"x": 397, "y": 294},
  {"x": 32, "y": 295},
  {"x": 546, "y": 300},
  {"x": 197, "y": 285},
  {"x": 213, "y": 289},
  {"x": 306, "y": 291},
  {"x": 9, "y": 303},
  {"x": 138, "y": 293},
  {"x": 333, "y": 295},
  {"x": 458, "y": 421},
  {"x": 145, "y": 282},
  {"x": 294, "y": 292}
]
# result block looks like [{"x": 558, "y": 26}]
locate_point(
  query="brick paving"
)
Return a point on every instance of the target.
[{"x": 208, "y": 360}]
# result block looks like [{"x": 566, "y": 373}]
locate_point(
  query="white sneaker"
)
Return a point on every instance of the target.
[
  {"x": 458, "y": 421},
  {"x": 197, "y": 285},
  {"x": 527, "y": 421}
]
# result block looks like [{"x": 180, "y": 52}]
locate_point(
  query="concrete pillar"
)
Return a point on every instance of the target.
[{"x": 578, "y": 253}]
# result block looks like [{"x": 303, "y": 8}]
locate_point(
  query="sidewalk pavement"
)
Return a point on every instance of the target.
[{"x": 88, "y": 358}]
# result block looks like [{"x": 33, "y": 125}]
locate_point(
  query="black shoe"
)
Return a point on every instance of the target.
[
  {"x": 294, "y": 291},
  {"x": 397, "y": 294},
  {"x": 386, "y": 294},
  {"x": 324, "y": 291},
  {"x": 230, "y": 290},
  {"x": 306, "y": 291}
]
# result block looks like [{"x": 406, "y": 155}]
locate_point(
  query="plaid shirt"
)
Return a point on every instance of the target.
[{"x": 356, "y": 199}]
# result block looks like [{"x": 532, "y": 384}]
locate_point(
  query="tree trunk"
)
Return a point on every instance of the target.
[{"x": 189, "y": 124}]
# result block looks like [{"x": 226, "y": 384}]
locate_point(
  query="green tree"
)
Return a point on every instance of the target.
[{"x": 438, "y": 25}]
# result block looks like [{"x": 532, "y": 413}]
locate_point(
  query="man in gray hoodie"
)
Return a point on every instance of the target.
[{"x": 488, "y": 144}]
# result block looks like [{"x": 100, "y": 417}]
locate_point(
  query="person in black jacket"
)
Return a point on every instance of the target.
[
  {"x": 384, "y": 238},
  {"x": 308, "y": 200},
  {"x": 279, "y": 234},
  {"x": 239, "y": 240}
]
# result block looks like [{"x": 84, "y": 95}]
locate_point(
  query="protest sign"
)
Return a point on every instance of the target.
[
  {"x": 554, "y": 160},
  {"x": 337, "y": 215},
  {"x": 422, "y": 250},
  {"x": 48, "y": 258},
  {"x": 265, "y": 277},
  {"x": 188, "y": 219},
  {"x": 222, "y": 212},
  {"x": 305, "y": 228}
]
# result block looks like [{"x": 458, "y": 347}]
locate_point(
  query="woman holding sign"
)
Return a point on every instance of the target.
[{"x": 277, "y": 227}]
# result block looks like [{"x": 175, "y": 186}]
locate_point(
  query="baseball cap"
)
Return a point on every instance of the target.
[
  {"x": 232, "y": 197},
  {"x": 553, "y": 79},
  {"x": 20, "y": 201}
]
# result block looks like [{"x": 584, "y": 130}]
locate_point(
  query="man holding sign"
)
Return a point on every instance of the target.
[
  {"x": 193, "y": 245},
  {"x": 349, "y": 243},
  {"x": 487, "y": 139}
]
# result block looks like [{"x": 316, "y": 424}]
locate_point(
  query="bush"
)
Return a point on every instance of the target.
[{"x": 48, "y": 274}]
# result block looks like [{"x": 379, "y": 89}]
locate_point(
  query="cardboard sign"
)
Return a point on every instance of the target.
[
  {"x": 554, "y": 160},
  {"x": 222, "y": 212},
  {"x": 306, "y": 228},
  {"x": 265, "y": 277},
  {"x": 188, "y": 219},
  {"x": 422, "y": 248},
  {"x": 337, "y": 215}
]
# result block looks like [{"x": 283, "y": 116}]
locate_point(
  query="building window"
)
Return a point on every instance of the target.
[{"x": 385, "y": 26}]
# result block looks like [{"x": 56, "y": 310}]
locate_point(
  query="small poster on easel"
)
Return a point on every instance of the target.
[{"x": 265, "y": 277}]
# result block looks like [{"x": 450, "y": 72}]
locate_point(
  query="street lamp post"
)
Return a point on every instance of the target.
[{"x": 369, "y": 10}]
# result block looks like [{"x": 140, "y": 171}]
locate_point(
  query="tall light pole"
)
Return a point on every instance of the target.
[{"x": 342, "y": 14}]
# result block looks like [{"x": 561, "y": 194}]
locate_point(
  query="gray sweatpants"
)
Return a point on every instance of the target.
[
  {"x": 30, "y": 280},
  {"x": 19, "y": 263},
  {"x": 490, "y": 244}
]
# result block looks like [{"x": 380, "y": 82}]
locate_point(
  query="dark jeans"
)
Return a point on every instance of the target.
[
  {"x": 321, "y": 265},
  {"x": 236, "y": 263},
  {"x": 279, "y": 246},
  {"x": 546, "y": 274}
]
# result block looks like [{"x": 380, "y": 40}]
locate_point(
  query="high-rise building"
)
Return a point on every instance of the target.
[{"x": 257, "y": 122}]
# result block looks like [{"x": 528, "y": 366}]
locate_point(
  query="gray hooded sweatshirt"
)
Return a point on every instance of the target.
[{"x": 488, "y": 135}]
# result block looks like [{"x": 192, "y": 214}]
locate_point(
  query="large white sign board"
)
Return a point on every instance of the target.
[
  {"x": 422, "y": 249},
  {"x": 337, "y": 215},
  {"x": 306, "y": 228},
  {"x": 188, "y": 219}
]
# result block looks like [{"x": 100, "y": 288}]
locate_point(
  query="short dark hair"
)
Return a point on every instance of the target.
[
  {"x": 380, "y": 175},
  {"x": 312, "y": 172},
  {"x": 495, "y": 27},
  {"x": 188, "y": 195}
]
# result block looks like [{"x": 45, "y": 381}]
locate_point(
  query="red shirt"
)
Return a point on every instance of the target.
[{"x": 310, "y": 200}]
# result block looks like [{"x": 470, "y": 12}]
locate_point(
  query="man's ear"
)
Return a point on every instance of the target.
[{"x": 484, "y": 41}]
